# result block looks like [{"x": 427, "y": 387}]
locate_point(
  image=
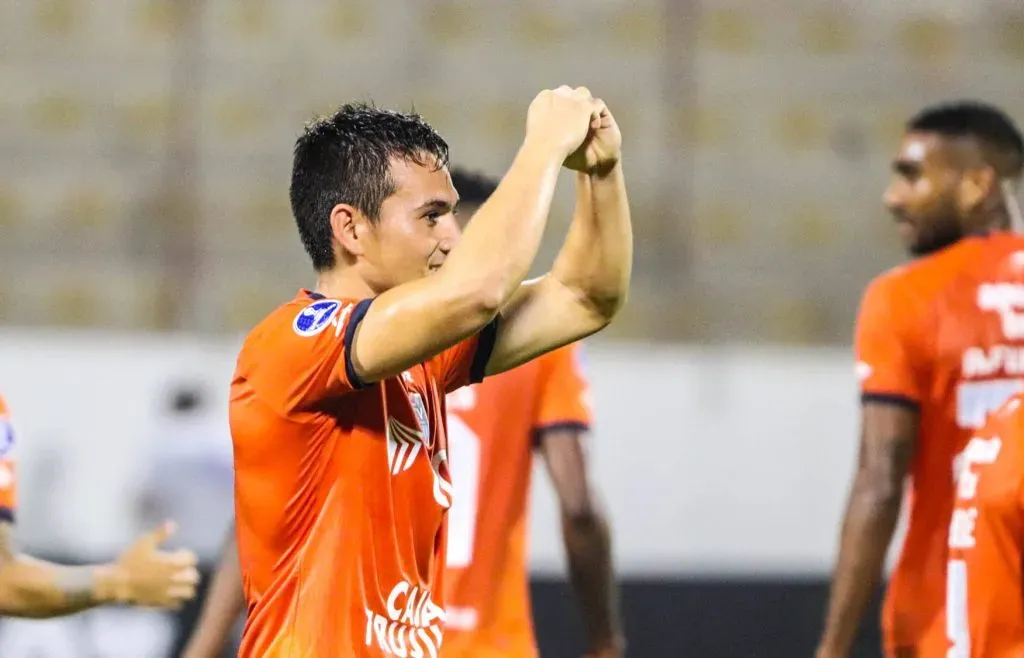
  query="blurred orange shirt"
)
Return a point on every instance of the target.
[
  {"x": 985, "y": 597},
  {"x": 8, "y": 476},
  {"x": 341, "y": 489},
  {"x": 943, "y": 334},
  {"x": 493, "y": 428}
]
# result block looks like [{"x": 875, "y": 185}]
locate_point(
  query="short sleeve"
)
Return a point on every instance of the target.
[
  {"x": 887, "y": 346},
  {"x": 564, "y": 393},
  {"x": 466, "y": 363},
  {"x": 301, "y": 355},
  {"x": 8, "y": 474}
]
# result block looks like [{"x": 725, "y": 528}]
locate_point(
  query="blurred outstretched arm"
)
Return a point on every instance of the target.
[
  {"x": 142, "y": 575},
  {"x": 224, "y": 605}
]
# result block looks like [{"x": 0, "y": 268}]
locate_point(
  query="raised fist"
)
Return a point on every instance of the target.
[
  {"x": 561, "y": 118},
  {"x": 601, "y": 148}
]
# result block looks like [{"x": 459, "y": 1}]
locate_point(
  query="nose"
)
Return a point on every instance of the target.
[
  {"x": 450, "y": 235},
  {"x": 893, "y": 197}
]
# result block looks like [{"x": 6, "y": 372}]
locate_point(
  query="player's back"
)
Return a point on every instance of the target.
[
  {"x": 341, "y": 490},
  {"x": 950, "y": 322},
  {"x": 492, "y": 431},
  {"x": 985, "y": 591}
]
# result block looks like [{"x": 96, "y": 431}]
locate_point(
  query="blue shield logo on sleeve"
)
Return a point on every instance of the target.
[{"x": 316, "y": 317}]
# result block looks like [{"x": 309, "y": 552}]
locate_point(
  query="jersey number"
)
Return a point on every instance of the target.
[
  {"x": 464, "y": 467},
  {"x": 956, "y": 610}
]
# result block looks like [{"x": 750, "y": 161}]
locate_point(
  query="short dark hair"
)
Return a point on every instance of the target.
[
  {"x": 987, "y": 124},
  {"x": 474, "y": 188},
  {"x": 186, "y": 398},
  {"x": 346, "y": 158}
]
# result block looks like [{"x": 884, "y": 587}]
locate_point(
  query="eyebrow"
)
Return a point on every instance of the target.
[
  {"x": 905, "y": 167},
  {"x": 437, "y": 204}
]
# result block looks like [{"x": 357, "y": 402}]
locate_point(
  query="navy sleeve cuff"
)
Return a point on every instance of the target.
[
  {"x": 6, "y": 515},
  {"x": 888, "y": 398},
  {"x": 541, "y": 432},
  {"x": 358, "y": 313},
  {"x": 484, "y": 348}
]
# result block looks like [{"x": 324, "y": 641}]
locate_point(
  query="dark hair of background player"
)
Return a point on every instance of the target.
[
  {"x": 345, "y": 158},
  {"x": 994, "y": 131},
  {"x": 185, "y": 398},
  {"x": 473, "y": 188}
]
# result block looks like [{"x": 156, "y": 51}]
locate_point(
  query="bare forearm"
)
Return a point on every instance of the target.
[
  {"x": 224, "y": 605},
  {"x": 597, "y": 256},
  {"x": 37, "y": 589},
  {"x": 868, "y": 528},
  {"x": 499, "y": 245},
  {"x": 476, "y": 282},
  {"x": 588, "y": 547}
]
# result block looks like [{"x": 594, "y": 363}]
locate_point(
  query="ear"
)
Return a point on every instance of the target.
[
  {"x": 977, "y": 186},
  {"x": 349, "y": 227}
]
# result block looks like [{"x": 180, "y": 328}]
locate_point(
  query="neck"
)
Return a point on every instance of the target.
[
  {"x": 343, "y": 283},
  {"x": 991, "y": 218}
]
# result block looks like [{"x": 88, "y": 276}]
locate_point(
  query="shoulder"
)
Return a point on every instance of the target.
[
  {"x": 904, "y": 288},
  {"x": 299, "y": 318}
]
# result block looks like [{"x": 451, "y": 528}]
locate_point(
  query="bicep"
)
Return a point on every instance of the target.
[
  {"x": 542, "y": 315},
  {"x": 413, "y": 323}
]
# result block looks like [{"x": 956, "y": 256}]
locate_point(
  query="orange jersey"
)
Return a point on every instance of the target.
[
  {"x": 984, "y": 592},
  {"x": 943, "y": 335},
  {"x": 341, "y": 489},
  {"x": 8, "y": 476},
  {"x": 492, "y": 431}
]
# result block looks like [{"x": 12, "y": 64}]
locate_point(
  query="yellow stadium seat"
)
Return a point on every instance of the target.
[
  {"x": 343, "y": 20},
  {"x": 721, "y": 224},
  {"x": 73, "y": 304},
  {"x": 730, "y": 31},
  {"x": 927, "y": 39},
  {"x": 811, "y": 226},
  {"x": 827, "y": 33},
  {"x": 539, "y": 26},
  {"x": 57, "y": 17},
  {"x": 58, "y": 113},
  {"x": 801, "y": 127}
]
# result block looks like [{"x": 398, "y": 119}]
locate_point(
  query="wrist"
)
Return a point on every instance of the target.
[
  {"x": 548, "y": 150},
  {"x": 110, "y": 585},
  {"x": 614, "y": 644},
  {"x": 608, "y": 171},
  {"x": 828, "y": 651}
]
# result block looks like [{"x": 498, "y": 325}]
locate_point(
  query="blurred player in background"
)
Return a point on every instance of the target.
[
  {"x": 189, "y": 479},
  {"x": 938, "y": 345},
  {"x": 338, "y": 409},
  {"x": 493, "y": 429},
  {"x": 985, "y": 595},
  {"x": 141, "y": 575}
]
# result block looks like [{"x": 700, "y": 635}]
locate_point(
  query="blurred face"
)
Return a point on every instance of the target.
[
  {"x": 416, "y": 229},
  {"x": 923, "y": 195}
]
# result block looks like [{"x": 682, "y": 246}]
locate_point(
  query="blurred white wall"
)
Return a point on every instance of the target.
[{"x": 727, "y": 460}]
